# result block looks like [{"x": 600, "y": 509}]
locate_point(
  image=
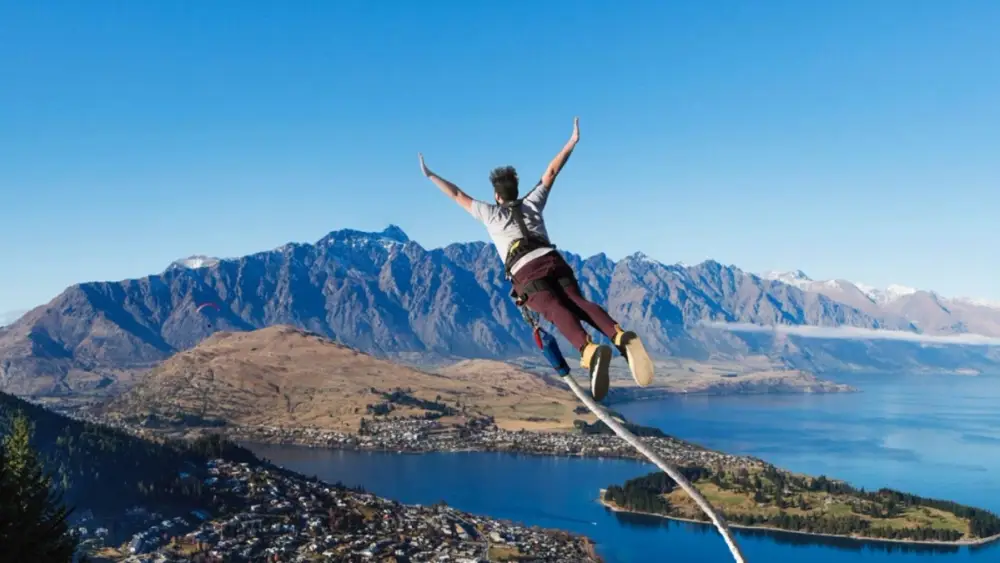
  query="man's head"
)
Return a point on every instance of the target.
[{"x": 504, "y": 180}]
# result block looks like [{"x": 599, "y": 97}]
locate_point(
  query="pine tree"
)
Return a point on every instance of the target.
[
  {"x": 8, "y": 503},
  {"x": 33, "y": 523}
]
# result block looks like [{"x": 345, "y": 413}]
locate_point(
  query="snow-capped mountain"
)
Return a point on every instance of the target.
[
  {"x": 387, "y": 239},
  {"x": 929, "y": 311},
  {"x": 863, "y": 298},
  {"x": 978, "y": 302},
  {"x": 195, "y": 262},
  {"x": 796, "y": 278},
  {"x": 799, "y": 279},
  {"x": 891, "y": 293}
]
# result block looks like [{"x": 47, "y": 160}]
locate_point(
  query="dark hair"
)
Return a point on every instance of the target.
[{"x": 504, "y": 180}]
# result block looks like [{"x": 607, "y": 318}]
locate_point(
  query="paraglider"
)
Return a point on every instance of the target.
[{"x": 208, "y": 305}]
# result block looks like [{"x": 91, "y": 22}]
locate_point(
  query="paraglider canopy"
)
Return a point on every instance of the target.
[
  {"x": 202, "y": 306},
  {"x": 208, "y": 304}
]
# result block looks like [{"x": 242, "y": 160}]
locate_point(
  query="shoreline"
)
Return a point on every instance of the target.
[
  {"x": 584, "y": 451},
  {"x": 593, "y": 447},
  {"x": 392, "y": 451},
  {"x": 632, "y": 394},
  {"x": 771, "y": 529},
  {"x": 470, "y": 450},
  {"x": 600, "y": 499}
]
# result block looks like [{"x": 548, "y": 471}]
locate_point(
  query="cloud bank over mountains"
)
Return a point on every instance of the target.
[{"x": 856, "y": 333}]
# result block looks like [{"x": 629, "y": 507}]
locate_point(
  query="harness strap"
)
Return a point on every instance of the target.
[
  {"x": 520, "y": 247},
  {"x": 527, "y": 243},
  {"x": 518, "y": 214},
  {"x": 544, "y": 285},
  {"x": 533, "y": 287}
]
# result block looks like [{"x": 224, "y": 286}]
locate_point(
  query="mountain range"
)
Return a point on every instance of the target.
[
  {"x": 386, "y": 295},
  {"x": 929, "y": 312}
]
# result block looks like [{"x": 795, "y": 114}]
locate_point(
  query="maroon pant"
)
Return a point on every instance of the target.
[{"x": 562, "y": 306}]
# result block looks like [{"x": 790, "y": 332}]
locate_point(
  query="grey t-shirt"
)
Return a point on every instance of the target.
[{"x": 502, "y": 227}]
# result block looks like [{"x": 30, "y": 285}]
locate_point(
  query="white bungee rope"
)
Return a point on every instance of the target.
[{"x": 624, "y": 434}]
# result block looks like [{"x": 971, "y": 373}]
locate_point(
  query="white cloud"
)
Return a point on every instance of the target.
[{"x": 854, "y": 333}]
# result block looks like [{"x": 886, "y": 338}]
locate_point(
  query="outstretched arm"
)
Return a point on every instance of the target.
[
  {"x": 560, "y": 160},
  {"x": 449, "y": 189}
]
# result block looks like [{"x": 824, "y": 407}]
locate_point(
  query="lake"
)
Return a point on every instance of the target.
[{"x": 936, "y": 436}]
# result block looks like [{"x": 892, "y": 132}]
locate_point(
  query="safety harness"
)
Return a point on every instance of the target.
[
  {"x": 518, "y": 249},
  {"x": 529, "y": 242}
]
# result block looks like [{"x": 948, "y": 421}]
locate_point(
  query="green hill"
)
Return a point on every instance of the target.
[{"x": 772, "y": 498}]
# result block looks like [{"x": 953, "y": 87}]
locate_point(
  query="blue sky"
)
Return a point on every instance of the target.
[{"x": 850, "y": 139}]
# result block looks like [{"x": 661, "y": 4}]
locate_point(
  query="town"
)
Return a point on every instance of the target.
[
  {"x": 282, "y": 516},
  {"x": 413, "y": 435},
  {"x": 417, "y": 434}
]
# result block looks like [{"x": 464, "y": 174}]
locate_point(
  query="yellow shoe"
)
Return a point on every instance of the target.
[
  {"x": 596, "y": 358},
  {"x": 631, "y": 348}
]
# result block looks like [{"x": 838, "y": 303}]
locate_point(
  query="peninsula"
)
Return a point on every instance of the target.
[{"x": 765, "y": 497}]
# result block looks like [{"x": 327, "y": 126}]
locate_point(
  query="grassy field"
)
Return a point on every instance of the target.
[
  {"x": 763, "y": 496},
  {"x": 504, "y": 553},
  {"x": 736, "y": 502},
  {"x": 720, "y": 376},
  {"x": 280, "y": 376},
  {"x": 519, "y": 400}
]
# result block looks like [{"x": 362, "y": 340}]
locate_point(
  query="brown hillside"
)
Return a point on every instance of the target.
[
  {"x": 281, "y": 376},
  {"x": 515, "y": 397}
]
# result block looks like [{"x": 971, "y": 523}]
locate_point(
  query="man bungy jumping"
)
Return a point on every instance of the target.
[{"x": 541, "y": 278}]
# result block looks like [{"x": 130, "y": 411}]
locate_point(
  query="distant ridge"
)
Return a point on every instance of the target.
[{"x": 384, "y": 294}]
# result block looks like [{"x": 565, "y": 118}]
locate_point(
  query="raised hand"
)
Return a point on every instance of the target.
[
  {"x": 576, "y": 129},
  {"x": 423, "y": 167}
]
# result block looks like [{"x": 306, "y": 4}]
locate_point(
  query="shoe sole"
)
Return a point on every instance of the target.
[
  {"x": 639, "y": 362},
  {"x": 599, "y": 379}
]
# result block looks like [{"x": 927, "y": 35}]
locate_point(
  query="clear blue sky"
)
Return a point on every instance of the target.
[{"x": 850, "y": 139}]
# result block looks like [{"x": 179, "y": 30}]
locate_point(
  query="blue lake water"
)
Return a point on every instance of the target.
[{"x": 936, "y": 436}]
